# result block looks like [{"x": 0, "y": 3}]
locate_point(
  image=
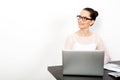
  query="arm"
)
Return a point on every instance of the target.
[
  {"x": 68, "y": 43},
  {"x": 100, "y": 46}
]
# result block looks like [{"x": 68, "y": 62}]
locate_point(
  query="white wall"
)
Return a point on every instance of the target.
[{"x": 32, "y": 34}]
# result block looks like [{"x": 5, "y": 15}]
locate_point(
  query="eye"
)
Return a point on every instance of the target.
[{"x": 85, "y": 18}]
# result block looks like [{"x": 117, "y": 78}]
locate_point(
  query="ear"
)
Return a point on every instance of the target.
[{"x": 92, "y": 22}]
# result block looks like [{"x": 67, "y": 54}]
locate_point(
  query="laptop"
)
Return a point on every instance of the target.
[{"x": 86, "y": 63}]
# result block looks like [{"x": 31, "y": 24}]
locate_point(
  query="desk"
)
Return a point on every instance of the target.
[{"x": 56, "y": 71}]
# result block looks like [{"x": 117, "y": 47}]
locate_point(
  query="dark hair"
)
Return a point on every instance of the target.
[{"x": 93, "y": 13}]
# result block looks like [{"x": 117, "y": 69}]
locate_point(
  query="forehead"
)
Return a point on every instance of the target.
[{"x": 85, "y": 13}]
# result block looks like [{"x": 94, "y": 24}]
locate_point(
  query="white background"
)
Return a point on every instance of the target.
[{"x": 32, "y": 34}]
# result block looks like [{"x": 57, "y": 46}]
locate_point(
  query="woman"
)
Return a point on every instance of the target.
[{"x": 84, "y": 39}]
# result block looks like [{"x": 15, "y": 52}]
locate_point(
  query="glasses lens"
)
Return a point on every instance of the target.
[
  {"x": 83, "y": 18},
  {"x": 78, "y": 16}
]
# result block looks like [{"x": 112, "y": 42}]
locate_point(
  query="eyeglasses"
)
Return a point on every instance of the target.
[{"x": 83, "y": 18}]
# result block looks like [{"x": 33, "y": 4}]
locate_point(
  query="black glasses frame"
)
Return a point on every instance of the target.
[{"x": 83, "y": 18}]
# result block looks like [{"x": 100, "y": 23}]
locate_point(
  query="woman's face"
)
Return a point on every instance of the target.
[{"x": 84, "y": 20}]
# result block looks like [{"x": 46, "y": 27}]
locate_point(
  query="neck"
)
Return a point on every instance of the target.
[{"x": 84, "y": 32}]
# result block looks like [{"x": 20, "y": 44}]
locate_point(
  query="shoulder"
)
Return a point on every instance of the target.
[
  {"x": 71, "y": 35},
  {"x": 98, "y": 38}
]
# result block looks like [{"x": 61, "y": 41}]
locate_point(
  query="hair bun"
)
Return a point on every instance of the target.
[
  {"x": 93, "y": 13},
  {"x": 96, "y": 13}
]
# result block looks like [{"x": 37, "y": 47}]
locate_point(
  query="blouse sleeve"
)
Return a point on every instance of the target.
[
  {"x": 68, "y": 43},
  {"x": 100, "y": 46}
]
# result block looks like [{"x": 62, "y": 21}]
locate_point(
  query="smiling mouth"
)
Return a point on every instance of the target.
[{"x": 81, "y": 24}]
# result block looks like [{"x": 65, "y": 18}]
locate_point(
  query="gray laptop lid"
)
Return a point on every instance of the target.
[{"x": 83, "y": 63}]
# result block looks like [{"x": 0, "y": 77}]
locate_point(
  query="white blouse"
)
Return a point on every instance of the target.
[
  {"x": 81, "y": 47},
  {"x": 90, "y": 43}
]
